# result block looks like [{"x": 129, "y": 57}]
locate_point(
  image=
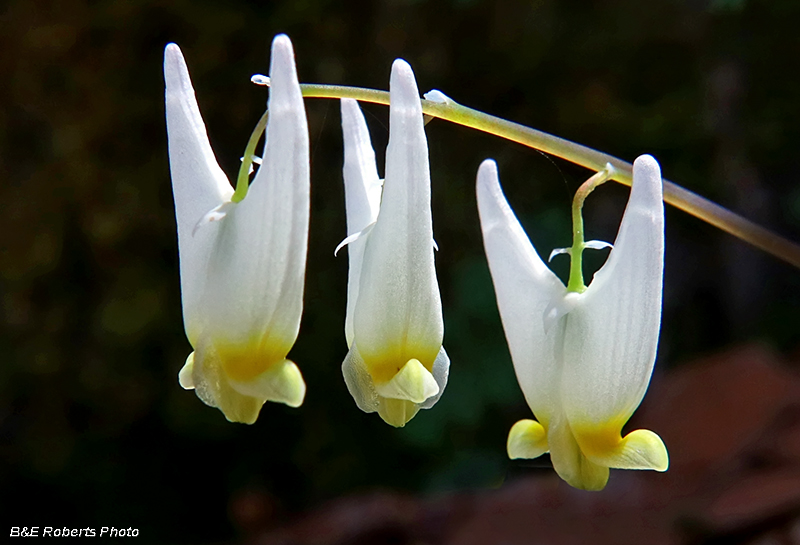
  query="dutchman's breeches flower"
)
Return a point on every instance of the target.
[
  {"x": 396, "y": 364},
  {"x": 242, "y": 261},
  {"x": 584, "y": 356}
]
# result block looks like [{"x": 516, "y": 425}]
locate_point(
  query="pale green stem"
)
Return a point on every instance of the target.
[
  {"x": 674, "y": 194},
  {"x": 578, "y": 243},
  {"x": 242, "y": 180}
]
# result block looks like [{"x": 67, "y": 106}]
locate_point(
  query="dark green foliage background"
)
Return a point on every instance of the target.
[{"x": 94, "y": 429}]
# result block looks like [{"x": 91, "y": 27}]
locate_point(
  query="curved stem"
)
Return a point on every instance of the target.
[
  {"x": 578, "y": 243},
  {"x": 243, "y": 179},
  {"x": 674, "y": 194}
]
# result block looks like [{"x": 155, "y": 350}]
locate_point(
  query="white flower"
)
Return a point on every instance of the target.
[
  {"x": 583, "y": 360},
  {"x": 242, "y": 264},
  {"x": 396, "y": 364}
]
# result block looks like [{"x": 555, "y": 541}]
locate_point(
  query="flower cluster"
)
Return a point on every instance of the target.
[{"x": 583, "y": 357}]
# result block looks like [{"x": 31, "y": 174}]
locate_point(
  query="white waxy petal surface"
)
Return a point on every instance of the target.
[
  {"x": 612, "y": 333},
  {"x": 361, "y": 180},
  {"x": 255, "y": 280},
  {"x": 358, "y": 381},
  {"x": 525, "y": 288},
  {"x": 362, "y": 189},
  {"x": 198, "y": 184},
  {"x": 440, "y": 372},
  {"x": 398, "y": 308}
]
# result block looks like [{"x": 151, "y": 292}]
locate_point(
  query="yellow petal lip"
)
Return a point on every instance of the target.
[
  {"x": 282, "y": 383},
  {"x": 597, "y": 440},
  {"x": 384, "y": 362},
  {"x": 569, "y": 461},
  {"x": 413, "y": 382},
  {"x": 583, "y": 454},
  {"x": 261, "y": 370},
  {"x": 240, "y": 379},
  {"x": 527, "y": 439},
  {"x": 246, "y": 361},
  {"x": 639, "y": 449},
  {"x": 396, "y": 412},
  {"x": 591, "y": 477}
]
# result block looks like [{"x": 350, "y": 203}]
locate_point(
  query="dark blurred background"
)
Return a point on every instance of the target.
[{"x": 94, "y": 429}]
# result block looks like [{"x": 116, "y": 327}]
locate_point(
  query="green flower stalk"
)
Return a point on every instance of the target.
[{"x": 442, "y": 107}]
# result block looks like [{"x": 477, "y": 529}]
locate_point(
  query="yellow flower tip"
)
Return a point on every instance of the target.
[
  {"x": 281, "y": 383},
  {"x": 396, "y": 412},
  {"x": 240, "y": 409},
  {"x": 261, "y": 370},
  {"x": 413, "y": 382},
  {"x": 640, "y": 449},
  {"x": 570, "y": 462},
  {"x": 292, "y": 386},
  {"x": 240, "y": 400},
  {"x": 598, "y": 441},
  {"x": 590, "y": 476},
  {"x": 247, "y": 361},
  {"x": 527, "y": 439}
]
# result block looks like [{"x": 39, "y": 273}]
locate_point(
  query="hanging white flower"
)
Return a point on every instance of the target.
[
  {"x": 583, "y": 358},
  {"x": 396, "y": 364},
  {"x": 242, "y": 264}
]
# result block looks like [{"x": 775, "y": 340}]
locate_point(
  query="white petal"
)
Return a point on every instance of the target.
[
  {"x": 361, "y": 181},
  {"x": 435, "y": 95},
  {"x": 557, "y": 309},
  {"x": 398, "y": 313},
  {"x": 198, "y": 183},
  {"x": 351, "y": 239},
  {"x": 359, "y": 382},
  {"x": 362, "y": 189},
  {"x": 216, "y": 214},
  {"x": 255, "y": 279},
  {"x": 524, "y": 287},
  {"x": 611, "y": 336},
  {"x": 559, "y": 251},
  {"x": 441, "y": 371},
  {"x": 597, "y": 245}
]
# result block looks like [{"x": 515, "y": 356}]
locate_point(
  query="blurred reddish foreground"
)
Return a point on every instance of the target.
[{"x": 731, "y": 423}]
